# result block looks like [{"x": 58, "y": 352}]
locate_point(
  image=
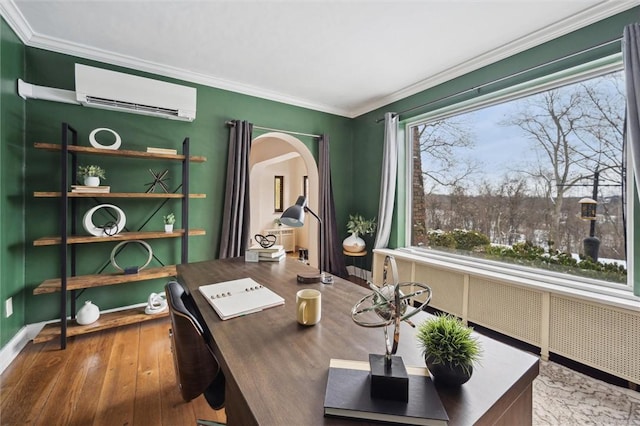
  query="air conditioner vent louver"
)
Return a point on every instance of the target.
[
  {"x": 101, "y": 88},
  {"x": 92, "y": 100}
]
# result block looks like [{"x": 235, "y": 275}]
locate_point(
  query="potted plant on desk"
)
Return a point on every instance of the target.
[
  {"x": 358, "y": 226},
  {"x": 449, "y": 349}
]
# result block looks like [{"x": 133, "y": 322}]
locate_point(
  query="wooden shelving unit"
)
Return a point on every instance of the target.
[
  {"x": 123, "y": 236},
  {"x": 39, "y": 194},
  {"x": 117, "y": 152},
  {"x": 69, "y": 282},
  {"x": 101, "y": 280},
  {"x": 105, "y": 322}
]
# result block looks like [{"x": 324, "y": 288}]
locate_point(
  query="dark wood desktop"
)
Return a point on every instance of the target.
[{"x": 276, "y": 370}]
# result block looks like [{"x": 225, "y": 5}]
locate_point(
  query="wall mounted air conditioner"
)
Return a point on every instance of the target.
[{"x": 100, "y": 88}]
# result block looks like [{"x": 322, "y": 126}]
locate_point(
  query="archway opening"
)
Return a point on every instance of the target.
[{"x": 279, "y": 154}]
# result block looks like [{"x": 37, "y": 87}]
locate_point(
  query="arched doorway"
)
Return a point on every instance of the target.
[{"x": 277, "y": 152}]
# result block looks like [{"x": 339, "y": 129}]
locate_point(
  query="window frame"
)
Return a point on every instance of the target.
[{"x": 570, "y": 75}]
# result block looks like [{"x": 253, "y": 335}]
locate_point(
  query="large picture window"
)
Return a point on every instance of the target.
[{"x": 504, "y": 181}]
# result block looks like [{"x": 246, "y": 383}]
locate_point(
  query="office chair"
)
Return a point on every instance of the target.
[{"x": 196, "y": 366}]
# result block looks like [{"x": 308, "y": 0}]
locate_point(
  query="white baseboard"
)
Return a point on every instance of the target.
[
  {"x": 27, "y": 333},
  {"x": 17, "y": 343}
]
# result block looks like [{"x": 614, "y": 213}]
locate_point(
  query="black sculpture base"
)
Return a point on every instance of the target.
[{"x": 389, "y": 382}]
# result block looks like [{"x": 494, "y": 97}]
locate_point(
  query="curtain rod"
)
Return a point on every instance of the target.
[
  {"x": 230, "y": 123},
  {"x": 606, "y": 43}
]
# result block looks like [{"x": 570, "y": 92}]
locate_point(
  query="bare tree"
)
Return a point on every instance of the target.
[
  {"x": 440, "y": 142},
  {"x": 419, "y": 200},
  {"x": 514, "y": 192},
  {"x": 575, "y": 131},
  {"x": 550, "y": 120},
  {"x": 603, "y": 134},
  {"x": 443, "y": 142}
]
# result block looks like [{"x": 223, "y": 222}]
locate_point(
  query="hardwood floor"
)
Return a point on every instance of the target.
[{"x": 122, "y": 376}]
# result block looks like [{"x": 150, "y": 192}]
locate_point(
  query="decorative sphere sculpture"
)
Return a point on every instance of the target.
[
  {"x": 381, "y": 299},
  {"x": 389, "y": 304}
]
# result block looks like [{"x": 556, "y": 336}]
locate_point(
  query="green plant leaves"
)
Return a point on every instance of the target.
[{"x": 445, "y": 339}]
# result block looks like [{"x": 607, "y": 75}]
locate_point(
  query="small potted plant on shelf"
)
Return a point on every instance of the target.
[
  {"x": 169, "y": 220},
  {"x": 358, "y": 226},
  {"x": 91, "y": 175},
  {"x": 449, "y": 349}
]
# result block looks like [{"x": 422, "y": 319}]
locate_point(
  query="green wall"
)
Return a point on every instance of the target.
[
  {"x": 11, "y": 183},
  {"x": 368, "y": 134},
  {"x": 356, "y": 153},
  {"x": 208, "y": 136}
]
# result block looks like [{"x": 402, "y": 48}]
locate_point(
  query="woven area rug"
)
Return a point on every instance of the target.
[{"x": 565, "y": 397}]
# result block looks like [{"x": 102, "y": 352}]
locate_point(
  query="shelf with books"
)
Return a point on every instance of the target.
[
  {"x": 117, "y": 153},
  {"x": 84, "y": 188},
  {"x": 155, "y": 150},
  {"x": 275, "y": 253},
  {"x": 69, "y": 282},
  {"x": 55, "y": 194}
]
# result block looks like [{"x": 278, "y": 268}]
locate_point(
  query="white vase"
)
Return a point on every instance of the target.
[
  {"x": 353, "y": 243},
  {"x": 168, "y": 228},
  {"x": 88, "y": 314},
  {"x": 92, "y": 181}
]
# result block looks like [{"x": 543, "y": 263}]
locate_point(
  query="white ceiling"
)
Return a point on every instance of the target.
[{"x": 342, "y": 57}]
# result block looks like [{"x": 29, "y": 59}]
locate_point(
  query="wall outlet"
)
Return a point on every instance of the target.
[{"x": 8, "y": 307}]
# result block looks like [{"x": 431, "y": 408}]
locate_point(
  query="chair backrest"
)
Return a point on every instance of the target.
[{"x": 195, "y": 364}]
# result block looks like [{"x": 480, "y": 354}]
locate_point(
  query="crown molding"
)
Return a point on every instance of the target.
[
  {"x": 16, "y": 20},
  {"x": 21, "y": 27},
  {"x": 605, "y": 9}
]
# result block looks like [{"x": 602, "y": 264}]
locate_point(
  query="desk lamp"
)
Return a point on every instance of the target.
[{"x": 294, "y": 217}]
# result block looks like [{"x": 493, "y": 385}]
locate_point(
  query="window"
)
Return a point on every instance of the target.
[
  {"x": 305, "y": 186},
  {"x": 502, "y": 179},
  {"x": 278, "y": 194}
]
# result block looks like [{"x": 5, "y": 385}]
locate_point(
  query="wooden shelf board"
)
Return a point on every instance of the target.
[
  {"x": 100, "y": 280},
  {"x": 106, "y": 321},
  {"x": 123, "y": 236},
  {"x": 118, "y": 152},
  {"x": 45, "y": 194}
]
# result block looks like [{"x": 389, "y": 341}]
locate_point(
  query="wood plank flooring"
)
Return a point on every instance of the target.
[{"x": 121, "y": 376}]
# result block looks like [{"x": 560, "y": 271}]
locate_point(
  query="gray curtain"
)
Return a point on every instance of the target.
[
  {"x": 235, "y": 222},
  {"x": 331, "y": 260},
  {"x": 631, "y": 57},
  {"x": 388, "y": 180}
]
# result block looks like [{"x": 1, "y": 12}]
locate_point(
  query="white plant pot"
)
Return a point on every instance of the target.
[
  {"x": 353, "y": 244},
  {"x": 168, "y": 228},
  {"x": 88, "y": 314},
  {"x": 92, "y": 181}
]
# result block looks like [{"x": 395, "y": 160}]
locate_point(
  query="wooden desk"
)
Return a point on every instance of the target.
[{"x": 276, "y": 370}]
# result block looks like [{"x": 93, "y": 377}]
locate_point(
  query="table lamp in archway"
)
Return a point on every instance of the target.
[{"x": 294, "y": 216}]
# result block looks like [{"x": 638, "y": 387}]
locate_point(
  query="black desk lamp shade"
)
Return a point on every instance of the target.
[{"x": 294, "y": 217}]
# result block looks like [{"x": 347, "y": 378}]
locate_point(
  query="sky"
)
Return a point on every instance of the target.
[{"x": 500, "y": 148}]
